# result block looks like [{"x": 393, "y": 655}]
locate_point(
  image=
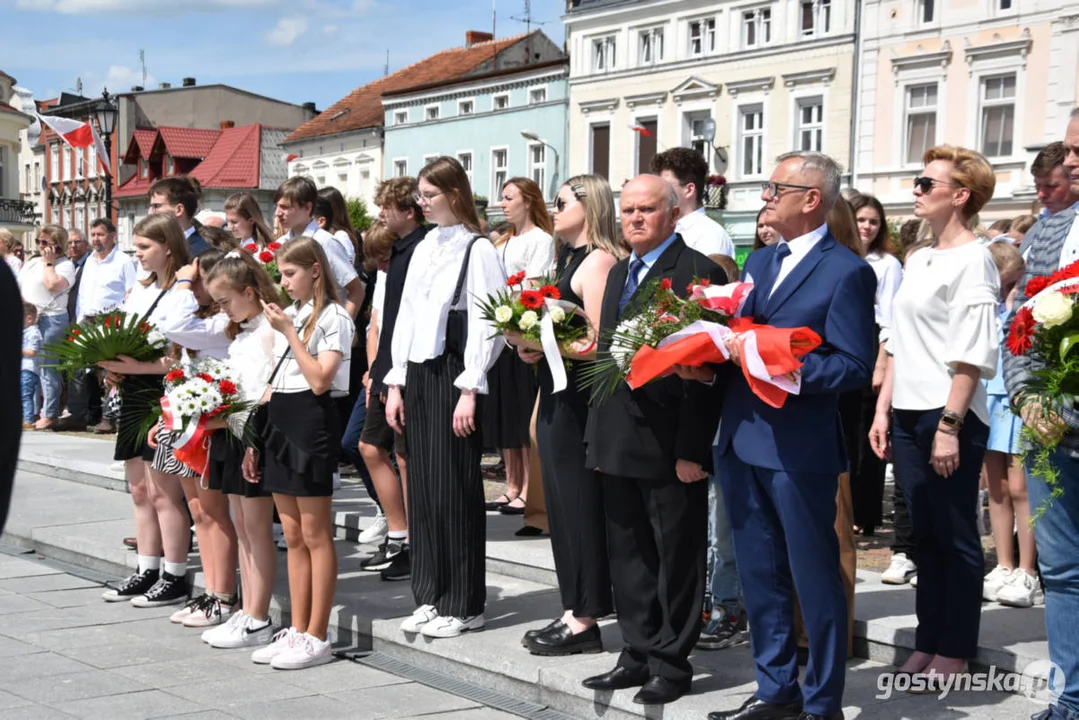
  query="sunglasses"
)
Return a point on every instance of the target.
[
  {"x": 578, "y": 193},
  {"x": 925, "y": 184}
]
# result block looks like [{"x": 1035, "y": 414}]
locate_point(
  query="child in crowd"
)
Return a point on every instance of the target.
[{"x": 31, "y": 349}]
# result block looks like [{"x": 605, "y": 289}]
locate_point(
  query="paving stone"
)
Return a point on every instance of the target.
[
  {"x": 339, "y": 677},
  {"x": 11, "y": 568},
  {"x": 10, "y": 648},
  {"x": 314, "y": 706},
  {"x": 62, "y": 688},
  {"x": 231, "y": 693},
  {"x": 204, "y": 715},
  {"x": 10, "y": 604},
  {"x": 146, "y": 704},
  {"x": 9, "y": 701},
  {"x": 71, "y": 598},
  {"x": 45, "y": 583},
  {"x": 407, "y": 700},
  {"x": 39, "y": 665},
  {"x": 123, "y": 651},
  {"x": 481, "y": 713},
  {"x": 171, "y": 673},
  {"x": 33, "y": 712}
]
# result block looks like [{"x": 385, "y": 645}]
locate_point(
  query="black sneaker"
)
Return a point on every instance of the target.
[
  {"x": 382, "y": 557},
  {"x": 400, "y": 567},
  {"x": 132, "y": 586},
  {"x": 722, "y": 632},
  {"x": 168, "y": 590}
]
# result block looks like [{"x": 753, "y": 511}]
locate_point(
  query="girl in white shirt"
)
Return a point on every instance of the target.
[
  {"x": 943, "y": 341},
  {"x": 246, "y": 222},
  {"x": 444, "y": 349},
  {"x": 312, "y": 349},
  {"x": 239, "y": 285},
  {"x": 507, "y": 414}
]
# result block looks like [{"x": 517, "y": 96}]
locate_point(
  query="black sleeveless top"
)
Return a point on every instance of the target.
[{"x": 569, "y": 260}]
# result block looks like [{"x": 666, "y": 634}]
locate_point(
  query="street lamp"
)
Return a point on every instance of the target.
[
  {"x": 105, "y": 112},
  {"x": 529, "y": 135}
]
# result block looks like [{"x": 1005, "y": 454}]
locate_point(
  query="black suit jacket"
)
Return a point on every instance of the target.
[
  {"x": 10, "y": 369},
  {"x": 641, "y": 433},
  {"x": 73, "y": 295}
]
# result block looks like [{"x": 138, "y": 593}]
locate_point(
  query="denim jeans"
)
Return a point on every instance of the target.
[
  {"x": 350, "y": 443},
  {"x": 31, "y": 383},
  {"x": 1057, "y": 538},
  {"x": 52, "y": 328},
  {"x": 722, "y": 570}
]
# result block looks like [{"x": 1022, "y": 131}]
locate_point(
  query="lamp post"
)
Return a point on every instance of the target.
[
  {"x": 529, "y": 135},
  {"x": 105, "y": 112}
]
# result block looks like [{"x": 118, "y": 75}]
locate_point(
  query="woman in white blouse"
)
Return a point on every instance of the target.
[
  {"x": 7, "y": 251},
  {"x": 443, "y": 349},
  {"x": 246, "y": 222},
  {"x": 507, "y": 414},
  {"x": 45, "y": 281},
  {"x": 943, "y": 342}
]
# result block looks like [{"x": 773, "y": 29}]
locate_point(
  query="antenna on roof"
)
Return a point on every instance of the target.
[
  {"x": 529, "y": 22},
  {"x": 386, "y": 69},
  {"x": 78, "y": 86},
  {"x": 494, "y": 20},
  {"x": 142, "y": 62}
]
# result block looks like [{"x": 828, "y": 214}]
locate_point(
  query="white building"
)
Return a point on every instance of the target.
[{"x": 16, "y": 215}]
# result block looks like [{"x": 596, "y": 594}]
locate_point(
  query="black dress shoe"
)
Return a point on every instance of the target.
[
  {"x": 618, "y": 679},
  {"x": 812, "y": 716},
  {"x": 757, "y": 709},
  {"x": 539, "y": 631},
  {"x": 560, "y": 640},
  {"x": 660, "y": 690}
]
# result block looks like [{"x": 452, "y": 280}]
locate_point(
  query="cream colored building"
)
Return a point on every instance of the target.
[
  {"x": 773, "y": 76},
  {"x": 16, "y": 214},
  {"x": 998, "y": 76}
]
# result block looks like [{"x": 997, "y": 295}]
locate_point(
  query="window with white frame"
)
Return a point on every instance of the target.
[
  {"x": 342, "y": 180},
  {"x": 431, "y": 112},
  {"x": 67, "y": 162},
  {"x": 400, "y": 117},
  {"x": 3, "y": 157},
  {"x": 499, "y": 170},
  {"x": 91, "y": 161},
  {"x": 144, "y": 168},
  {"x": 320, "y": 180},
  {"x": 756, "y": 27},
  {"x": 465, "y": 107},
  {"x": 537, "y": 96},
  {"x": 500, "y": 102},
  {"x": 67, "y": 216},
  {"x": 80, "y": 218},
  {"x": 650, "y": 46},
  {"x": 751, "y": 140},
  {"x": 37, "y": 177},
  {"x": 54, "y": 215},
  {"x": 816, "y": 17},
  {"x": 29, "y": 177},
  {"x": 537, "y": 165},
  {"x": 998, "y": 115},
  {"x": 428, "y": 159},
  {"x": 465, "y": 158},
  {"x": 702, "y": 37},
  {"x": 926, "y": 9},
  {"x": 170, "y": 165},
  {"x": 603, "y": 53},
  {"x": 809, "y": 124},
  {"x": 400, "y": 168},
  {"x": 921, "y": 122},
  {"x": 1004, "y": 4},
  {"x": 80, "y": 164},
  {"x": 54, "y": 163},
  {"x": 693, "y": 131}
]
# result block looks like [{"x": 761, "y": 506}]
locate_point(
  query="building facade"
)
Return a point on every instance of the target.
[
  {"x": 16, "y": 213},
  {"x": 504, "y": 124},
  {"x": 349, "y": 161},
  {"x": 995, "y": 75},
  {"x": 741, "y": 81}
]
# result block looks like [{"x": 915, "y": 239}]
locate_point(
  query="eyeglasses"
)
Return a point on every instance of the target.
[
  {"x": 925, "y": 184},
  {"x": 424, "y": 197},
  {"x": 775, "y": 189},
  {"x": 578, "y": 193}
]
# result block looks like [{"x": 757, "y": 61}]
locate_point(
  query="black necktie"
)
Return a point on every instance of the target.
[
  {"x": 782, "y": 251},
  {"x": 631, "y": 284}
]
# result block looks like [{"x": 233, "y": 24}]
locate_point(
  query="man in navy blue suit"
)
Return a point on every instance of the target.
[{"x": 780, "y": 467}]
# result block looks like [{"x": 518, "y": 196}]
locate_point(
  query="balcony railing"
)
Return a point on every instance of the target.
[{"x": 17, "y": 212}]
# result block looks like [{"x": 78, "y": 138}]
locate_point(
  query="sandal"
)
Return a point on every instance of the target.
[
  {"x": 498, "y": 503},
  {"x": 511, "y": 509}
]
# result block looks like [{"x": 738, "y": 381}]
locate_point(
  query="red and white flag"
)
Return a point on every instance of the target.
[
  {"x": 78, "y": 135},
  {"x": 641, "y": 129}
]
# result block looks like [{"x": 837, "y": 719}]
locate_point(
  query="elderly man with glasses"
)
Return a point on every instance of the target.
[{"x": 779, "y": 467}]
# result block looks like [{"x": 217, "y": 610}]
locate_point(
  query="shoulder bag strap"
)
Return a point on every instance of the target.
[
  {"x": 154, "y": 305},
  {"x": 464, "y": 273}
]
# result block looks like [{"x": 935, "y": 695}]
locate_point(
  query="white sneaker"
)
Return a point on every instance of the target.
[
  {"x": 282, "y": 642},
  {"x": 118, "y": 466},
  {"x": 306, "y": 652},
  {"x": 376, "y": 533},
  {"x": 213, "y": 611},
  {"x": 448, "y": 627},
  {"x": 994, "y": 581},
  {"x": 422, "y": 615},
  {"x": 238, "y": 618},
  {"x": 914, "y": 581},
  {"x": 245, "y": 632},
  {"x": 900, "y": 571},
  {"x": 187, "y": 610},
  {"x": 1022, "y": 590}
]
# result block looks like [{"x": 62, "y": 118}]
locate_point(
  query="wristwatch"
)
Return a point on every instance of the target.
[{"x": 951, "y": 419}]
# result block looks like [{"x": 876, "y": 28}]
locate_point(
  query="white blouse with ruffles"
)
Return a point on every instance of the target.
[
  {"x": 944, "y": 314},
  {"x": 251, "y": 360}
]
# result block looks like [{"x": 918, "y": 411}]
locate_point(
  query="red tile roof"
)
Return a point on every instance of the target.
[
  {"x": 362, "y": 107},
  {"x": 234, "y": 160},
  {"x": 134, "y": 186},
  {"x": 188, "y": 142}
]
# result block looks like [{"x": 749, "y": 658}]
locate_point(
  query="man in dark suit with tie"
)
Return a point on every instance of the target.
[
  {"x": 652, "y": 448},
  {"x": 779, "y": 467},
  {"x": 77, "y": 390}
]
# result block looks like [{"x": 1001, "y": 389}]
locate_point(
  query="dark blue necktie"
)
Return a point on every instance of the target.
[
  {"x": 631, "y": 284},
  {"x": 782, "y": 251}
]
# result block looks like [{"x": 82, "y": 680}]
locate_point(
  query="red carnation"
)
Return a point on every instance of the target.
[
  {"x": 251, "y": 248},
  {"x": 515, "y": 279},
  {"x": 75, "y": 331},
  {"x": 704, "y": 282},
  {"x": 107, "y": 322},
  {"x": 71, "y": 339},
  {"x": 550, "y": 291},
  {"x": 174, "y": 375},
  {"x": 266, "y": 256},
  {"x": 227, "y": 387},
  {"x": 665, "y": 284},
  {"x": 1019, "y": 339},
  {"x": 145, "y": 327},
  {"x": 274, "y": 246},
  {"x": 1036, "y": 285},
  {"x": 531, "y": 299},
  {"x": 205, "y": 376}
]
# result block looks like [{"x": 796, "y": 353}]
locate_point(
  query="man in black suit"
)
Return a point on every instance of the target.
[{"x": 652, "y": 447}]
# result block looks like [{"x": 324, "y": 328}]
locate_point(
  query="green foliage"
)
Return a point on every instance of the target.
[
  {"x": 357, "y": 213},
  {"x": 106, "y": 337}
]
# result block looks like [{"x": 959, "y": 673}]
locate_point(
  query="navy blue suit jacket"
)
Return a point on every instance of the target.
[
  {"x": 197, "y": 244},
  {"x": 831, "y": 291}
]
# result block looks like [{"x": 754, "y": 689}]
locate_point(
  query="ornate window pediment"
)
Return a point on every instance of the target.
[{"x": 695, "y": 88}]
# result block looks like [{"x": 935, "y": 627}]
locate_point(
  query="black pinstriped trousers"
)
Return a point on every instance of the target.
[{"x": 447, "y": 523}]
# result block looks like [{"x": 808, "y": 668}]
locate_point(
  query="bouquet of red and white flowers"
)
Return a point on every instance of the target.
[
  {"x": 1047, "y": 327},
  {"x": 266, "y": 256},
  {"x": 694, "y": 331},
  {"x": 105, "y": 337}
]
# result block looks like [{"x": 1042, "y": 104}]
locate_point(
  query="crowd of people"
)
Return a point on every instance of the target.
[{"x": 704, "y": 534}]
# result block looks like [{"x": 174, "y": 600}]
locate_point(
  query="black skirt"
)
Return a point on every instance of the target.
[
  {"x": 139, "y": 397},
  {"x": 302, "y": 441},
  {"x": 225, "y": 470},
  {"x": 511, "y": 396}
]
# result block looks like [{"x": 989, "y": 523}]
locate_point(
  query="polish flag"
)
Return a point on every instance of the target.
[
  {"x": 641, "y": 129},
  {"x": 78, "y": 135},
  {"x": 290, "y": 157}
]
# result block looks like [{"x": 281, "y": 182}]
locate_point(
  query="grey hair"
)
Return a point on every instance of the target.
[{"x": 825, "y": 167}]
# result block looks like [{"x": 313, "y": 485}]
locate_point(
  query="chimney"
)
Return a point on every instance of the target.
[
  {"x": 164, "y": 86},
  {"x": 189, "y": 82},
  {"x": 310, "y": 107},
  {"x": 473, "y": 37},
  {"x": 227, "y": 124},
  {"x": 137, "y": 88}
]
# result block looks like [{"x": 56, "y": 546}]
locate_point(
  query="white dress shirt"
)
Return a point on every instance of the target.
[
  {"x": 346, "y": 242},
  {"x": 378, "y": 302},
  {"x": 1069, "y": 251},
  {"x": 251, "y": 360},
  {"x": 532, "y": 252},
  {"x": 32, "y": 285},
  {"x": 420, "y": 332},
  {"x": 889, "y": 272},
  {"x": 945, "y": 313},
  {"x": 334, "y": 330},
  {"x": 799, "y": 247},
  {"x": 104, "y": 283},
  {"x": 340, "y": 266},
  {"x": 142, "y": 297},
  {"x": 704, "y": 234},
  {"x": 182, "y": 325}
]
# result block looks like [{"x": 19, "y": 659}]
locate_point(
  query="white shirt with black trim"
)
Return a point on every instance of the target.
[{"x": 333, "y": 332}]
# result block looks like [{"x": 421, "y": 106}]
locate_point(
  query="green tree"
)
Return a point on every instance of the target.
[{"x": 357, "y": 213}]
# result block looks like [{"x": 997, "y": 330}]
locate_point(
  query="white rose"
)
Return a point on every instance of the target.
[
  {"x": 503, "y": 314},
  {"x": 557, "y": 314},
  {"x": 1053, "y": 309},
  {"x": 528, "y": 320}
]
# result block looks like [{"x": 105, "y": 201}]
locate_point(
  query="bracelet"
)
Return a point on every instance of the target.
[
  {"x": 951, "y": 419},
  {"x": 186, "y": 280},
  {"x": 591, "y": 346},
  {"x": 48, "y": 264}
]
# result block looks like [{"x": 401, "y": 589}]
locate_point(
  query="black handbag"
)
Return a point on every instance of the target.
[{"x": 457, "y": 319}]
